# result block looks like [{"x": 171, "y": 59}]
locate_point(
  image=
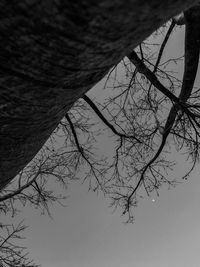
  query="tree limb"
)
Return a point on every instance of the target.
[{"x": 105, "y": 121}]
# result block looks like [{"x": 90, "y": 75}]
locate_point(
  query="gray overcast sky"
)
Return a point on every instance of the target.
[{"x": 86, "y": 233}]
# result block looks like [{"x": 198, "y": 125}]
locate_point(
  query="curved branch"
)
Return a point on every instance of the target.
[
  {"x": 18, "y": 191},
  {"x": 162, "y": 47},
  {"x": 192, "y": 49},
  {"x": 74, "y": 134},
  {"x": 160, "y": 53},
  {"x": 142, "y": 68},
  {"x": 105, "y": 121}
]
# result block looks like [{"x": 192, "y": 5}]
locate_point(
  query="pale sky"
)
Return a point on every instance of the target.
[{"x": 86, "y": 233}]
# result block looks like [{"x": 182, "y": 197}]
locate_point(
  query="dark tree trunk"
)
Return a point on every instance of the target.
[{"x": 54, "y": 51}]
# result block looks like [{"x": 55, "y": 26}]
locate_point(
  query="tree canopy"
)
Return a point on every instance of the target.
[
  {"x": 52, "y": 53},
  {"x": 48, "y": 65}
]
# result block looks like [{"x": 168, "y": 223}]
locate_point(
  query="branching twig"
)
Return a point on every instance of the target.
[
  {"x": 107, "y": 123},
  {"x": 192, "y": 48}
]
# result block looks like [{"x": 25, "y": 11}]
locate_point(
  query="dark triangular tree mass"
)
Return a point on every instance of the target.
[{"x": 51, "y": 53}]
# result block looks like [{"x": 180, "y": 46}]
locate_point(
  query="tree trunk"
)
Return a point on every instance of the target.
[{"x": 52, "y": 52}]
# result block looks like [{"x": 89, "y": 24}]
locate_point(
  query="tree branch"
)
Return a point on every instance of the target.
[
  {"x": 18, "y": 191},
  {"x": 162, "y": 47},
  {"x": 81, "y": 150},
  {"x": 106, "y": 122},
  {"x": 142, "y": 68}
]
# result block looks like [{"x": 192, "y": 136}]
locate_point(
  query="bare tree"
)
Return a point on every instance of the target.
[{"x": 134, "y": 115}]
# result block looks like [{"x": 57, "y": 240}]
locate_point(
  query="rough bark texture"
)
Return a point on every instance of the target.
[{"x": 52, "y": 52}]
